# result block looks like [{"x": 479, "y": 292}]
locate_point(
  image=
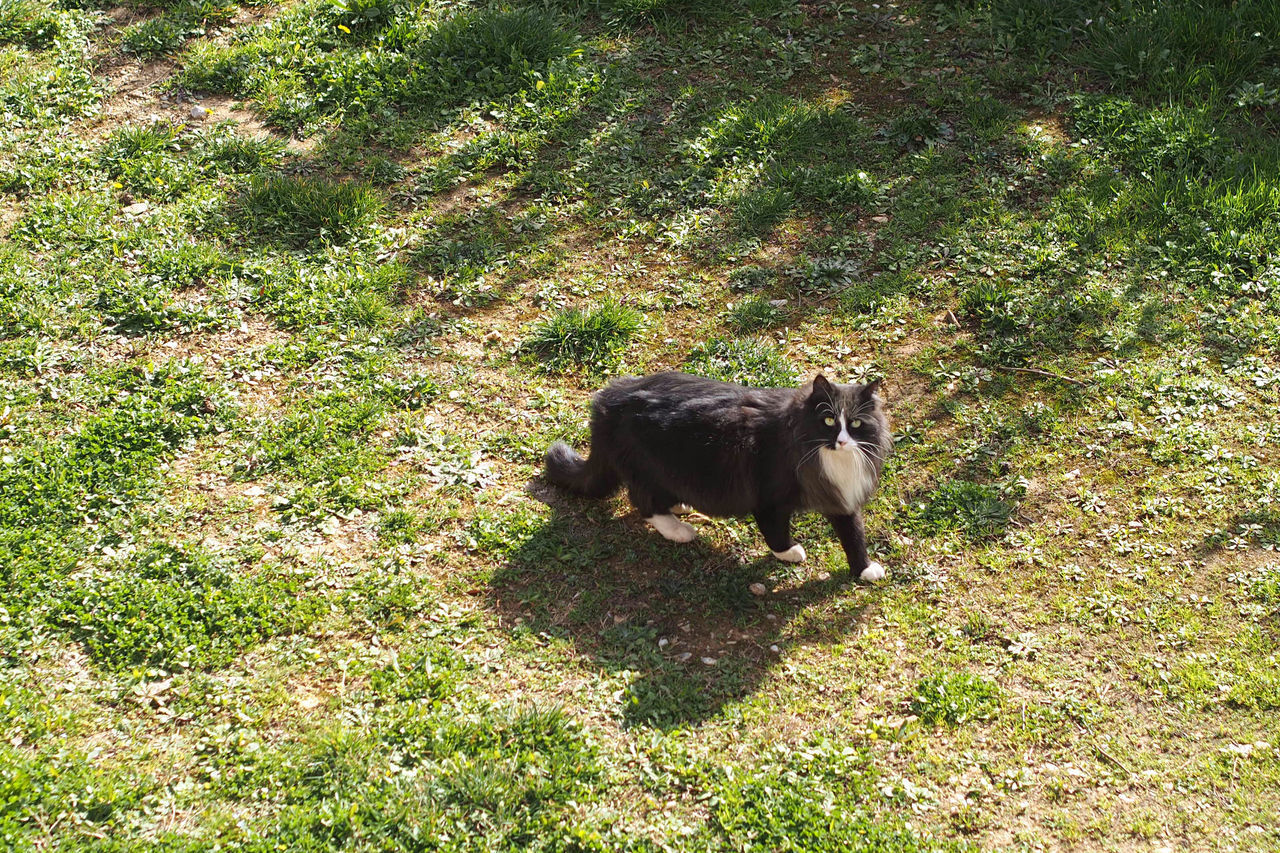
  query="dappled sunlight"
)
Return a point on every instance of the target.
[{"x": 286, "y": 331}]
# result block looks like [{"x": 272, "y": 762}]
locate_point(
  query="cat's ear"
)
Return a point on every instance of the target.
[
  {"x": 821, "y": 386},
  {"x": 872, "y": 388}
]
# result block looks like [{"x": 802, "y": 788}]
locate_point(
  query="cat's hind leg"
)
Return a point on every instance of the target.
[
  {"x": 656, "y": 508},
  {"x": 673, "y": 528}
]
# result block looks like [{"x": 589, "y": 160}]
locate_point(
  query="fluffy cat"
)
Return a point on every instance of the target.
[{"x": 726, "y": 450}]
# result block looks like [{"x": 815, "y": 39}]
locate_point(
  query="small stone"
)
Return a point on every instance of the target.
[
  {"x": 198, "y": 111},
  {"x": 253, "y": 491},
  {"x": 824, "y": 576},
  {"x": 662, "y": 643},
  {"x": 137, "y": 209},
  {"x": 778, "y": 303},
  {"x": 882, "y": 218},
  {"x": 758, "y": 588},
  {"x": 775, "y": 650},
  {"x": 709, "y": 661}
]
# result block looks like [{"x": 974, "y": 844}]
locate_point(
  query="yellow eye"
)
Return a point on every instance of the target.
[
  {"x": 855, "y": 423},
  {"x": 830, "y": 421}
]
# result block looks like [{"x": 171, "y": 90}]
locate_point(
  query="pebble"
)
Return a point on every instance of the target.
[
  {"x": 758, "y": 588},
  {"x": 709, "y": 661},
  {"x": 137, "y": 209},
  {"x": 198, "y": 111}
]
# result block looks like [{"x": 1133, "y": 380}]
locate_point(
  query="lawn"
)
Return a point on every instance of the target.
[{"x": 293, "y": 298}]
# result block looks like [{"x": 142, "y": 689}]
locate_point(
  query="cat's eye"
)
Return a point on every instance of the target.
[
  {"x": 829, "y": 421},
  {"x": 855, "y": 423}
]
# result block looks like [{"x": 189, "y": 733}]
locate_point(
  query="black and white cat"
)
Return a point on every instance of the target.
[{"x": 679, "y": 441}]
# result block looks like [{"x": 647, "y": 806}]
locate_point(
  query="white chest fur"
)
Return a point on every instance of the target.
[{"x": 848, "y": 472}]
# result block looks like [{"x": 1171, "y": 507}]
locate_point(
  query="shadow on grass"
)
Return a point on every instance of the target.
[{"x": 678, "y": 622}]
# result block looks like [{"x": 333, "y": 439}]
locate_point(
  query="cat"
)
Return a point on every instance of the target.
[{"x": 678, "y": 441}]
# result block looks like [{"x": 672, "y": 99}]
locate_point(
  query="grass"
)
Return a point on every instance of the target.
[
  {"x": 176, "y": 608},
  {"x": 954, "y": 698},
  {"x": 753, "y": 315},
  {"x": 278, "y": 569},
  {"x": 593, "y": 337},
  {"x": 299, "y": 211},
  {"x": 747, "y": 361}
]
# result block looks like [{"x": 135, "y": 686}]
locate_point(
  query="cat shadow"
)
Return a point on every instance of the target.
[{"x": 679, "y": 624}]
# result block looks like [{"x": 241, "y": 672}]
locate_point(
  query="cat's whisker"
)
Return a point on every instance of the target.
[
  {"x": 810, "y": 455},
  {"x": 868, "y": 449}
]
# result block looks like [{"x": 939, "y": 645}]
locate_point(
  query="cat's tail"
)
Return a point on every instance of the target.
[{"x": 592, "y": 478}]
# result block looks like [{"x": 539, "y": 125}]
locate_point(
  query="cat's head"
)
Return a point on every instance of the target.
[{"x": 846, "y": 418}]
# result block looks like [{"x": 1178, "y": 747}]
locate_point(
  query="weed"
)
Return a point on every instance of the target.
[
  {"x": 760, "y": 210},
  {"x": 751, "y": 278},
  {"x": 954, "y": 698},
  {"x": 753, "y": 315},
  {"x": 347, "y": 293},
  {"x": 595, "y": 338},
  {"x": 167, "y": 32},
  {"x": 28, "y": 23},
  {"x": 319, "y": 432},
  {"x": 767, "y": 811},
  {"x": 300, "y": 211},
  {"x": 427, "y": 675},
  {"x": 747, "y": 361},
  {"x": 177, "y": 607},
  {"x": 977, "y": 509},
  {"x": 222, "y": 149}
]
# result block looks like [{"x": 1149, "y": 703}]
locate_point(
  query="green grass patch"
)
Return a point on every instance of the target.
[
  {"x": 168, "y": 31},
  {"x": 365, "y": 59},
  {"x": 300, "y": 211},
  {"x": 177, "y": 607},
  {"x": 491, "y": 777},
  {"x": 768, "y": 810},
  {"x": 752, "y": 315},
  {"x": 28, "y": 23},
  {"x": 976, "y": 509},
  {"x": 747, "y": 361},
  {"x": 954, "y": 699},
  {"x": 324, "y": 438},
  {"x": 594, "y": 338}
]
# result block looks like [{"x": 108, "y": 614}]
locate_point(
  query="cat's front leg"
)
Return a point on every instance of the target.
[
  {"x": 775, "y": 524},
  {"x": 853, "y": 539}
]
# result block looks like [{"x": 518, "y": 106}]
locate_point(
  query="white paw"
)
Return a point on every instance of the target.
[
  {"x": 794, "y": 554},
  {"x": 681, "y": 509},
  {"x": 673, "y": 528},
  {"x": 872, "y": 573}
]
